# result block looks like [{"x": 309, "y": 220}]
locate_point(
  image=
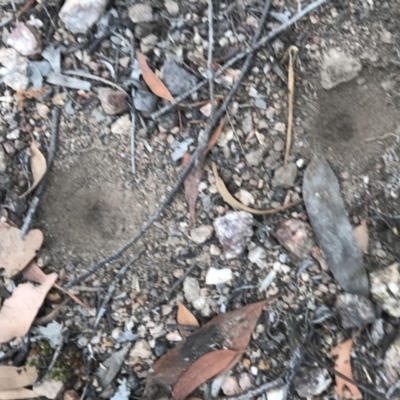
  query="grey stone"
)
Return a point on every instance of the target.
[
  {"x": 24, "y": 40},
  {"x": 4, "y": 160},
  {"x": 168, "y": 121},
  {"x": 201, "y": 234},
  {"x": 309, "y": 382},
  {"x": 139, "y": 13},
  {"x": 391, "y": 362},
  {"x": 285, "y": 175},
  {"x": 354, "y": 311},
  {"x": 234, "y": 231},
  {"x": 255, "y": 158},
  {"x": 338, "y": 68},
  {"x": 113, "y": 101},
  {"x": 145, "y": 102},
  {"x": 176, "y": 78},
  {"x": 5, "y": 182}
]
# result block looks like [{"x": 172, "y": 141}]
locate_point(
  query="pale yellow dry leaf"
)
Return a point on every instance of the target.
[
  {"x": 18, "y": 394},
  {"x": 42, "y": 110},
  {"x": 38, "y": 167},
  {"x": 16, "y": 377},
  {"x": 16, "y": 252},
  {"x": 19, "y": 311},
  {"x": 237, "y": 205},
  {"x": 362, "y": 236}
]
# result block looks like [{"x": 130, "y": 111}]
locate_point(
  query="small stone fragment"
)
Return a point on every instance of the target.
[
  {"x": 176, "y": 78},
  {"x": 24, "y": 40},
  {"x": 230, "y": 386},
  {"x": 4, "y": 160},
  {"x": 285, "y": 175},
  {"x": 145, "y": 102},
  {"x": 141, "y": 350},
  {"x": 391, "y": 362},
  {"x": 245, "y": 197},
  {"x": 122, "y": 126},
  {"x": 276, "y": 393},
  {"x": 42, "y": 110},
  {"x": 79, "y": 15},
  {"x": 217, "y": 276},
  {"x": 15, "y": 72},
  {"x": 148, "y": 43},
  {"x": 201, "y": 234},
  {"x": 139, "y": 13},
  {"x": 255, "y": 158},
  {"x": 234, "y": 232},
  {"x": 258, "y": 256},
  {"x": 355, "y": 311},
  {"x": 309, "y": 382},
  {"x": 295, "y": 236},
  {"x": 113, "y": 101},
  {"x": 385, "y": 288},
  {"x": 50, "y": 389},
  {"x": 191, "y": 289},
  {"x": 172, "y": 7},
  {"x": 338, "y": 68},
  {"x": 377, "y": 331}
]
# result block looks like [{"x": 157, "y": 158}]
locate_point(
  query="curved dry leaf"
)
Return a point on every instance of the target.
[
  {"x": 33, "y": 273},
  {"x": 19, "y": 310},
  {"x": 237, "y": 205},
  {"x": 38, "y": 167},
  {"x": 16, "y": 377},
  {"x": 202, "y": 370},
  {"x": 16, "y": 252},
  {"x": 362, "y": 236},
  {"x": 18, "y": 394},
  {"x": 153, "y": 81},
  {"x": 343, "y": 365},
  {"x": 185, "y": 317}
]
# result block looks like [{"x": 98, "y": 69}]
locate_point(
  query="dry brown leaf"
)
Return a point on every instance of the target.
[
  {"x": 193, "y": 178},
  {"x": 19, "y": 310},
  {"x": 153, "y": 81},
  {"x": 38, "y": 167},
  {"x": 17, "y": 252},
  {"x": 33, "y": 273},
  {"x": 343, "y": 365},
  {"x": 16, "y": 377},
  {"x": 18, "y": 394},
  {"x": 185, "y": 317},
  {"x": 202, "y": 370},
  {"x": 362, "y": 236},
  {"x": 237, "y": 205},
  {"x": 231, "y": 330}
]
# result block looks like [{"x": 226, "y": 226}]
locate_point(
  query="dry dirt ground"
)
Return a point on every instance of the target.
[{"x": 93, "y": 204}]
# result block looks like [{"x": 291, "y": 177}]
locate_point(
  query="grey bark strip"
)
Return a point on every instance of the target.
[{"x": 331, "y": 225}]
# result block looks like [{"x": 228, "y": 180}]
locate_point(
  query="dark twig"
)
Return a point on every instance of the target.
[
  {"x": 294, "y": 364},
  {"x": 210, "y": 74},
  {"x": 133, "y": 129},
  {"x": 113, "y": 286},
  {"x": 200, "y": 147},
  {"x": 392, "y": 390},
  {"x": 254, "y": 47},
  {"x": 390, "y": 216},
  {"x": 55, "y": 121},
  {"x": 256, "y": 392}
]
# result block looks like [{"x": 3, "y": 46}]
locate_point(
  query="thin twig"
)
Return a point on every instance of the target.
[
  {"x": 52, "y": 363},
  {"x": 392, "y": 390},
  {"x": 291, "y": 54},
  {"x": 210, "y": 73},
  {"x": 203, "y": 142},
  {"x": 133, "y": 130},
  {"x": 86, "y": 75},
  {"x": 294, "y": 364},
  {"x": 256, "y": 392},
  {"x": 255, "y": 46},
  {"x": 390, "y": 216},
  {"x": 55, "y": 121},
  {"x": 113, "y": 286}
]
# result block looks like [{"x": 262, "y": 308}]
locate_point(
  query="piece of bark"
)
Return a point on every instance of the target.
[{"x": 332, "y": 228}]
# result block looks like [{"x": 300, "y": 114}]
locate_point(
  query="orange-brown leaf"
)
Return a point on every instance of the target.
[
  {"x": 33, "y": 273},
  {"x": 185, "y": 317},
  {"x": 153, "y": 81},
  {"x": 19, "y": 311},
  {"x": 343, "y": 365},
  {"x": 212, "y": 141},
  {"x": 16, "y": 252},
  {"x": 202, "y": 370}
]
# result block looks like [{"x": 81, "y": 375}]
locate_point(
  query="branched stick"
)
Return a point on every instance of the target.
[
  {"x": 113, "y": 286},
  {"x": 55, "y": 121},
  {"x": 210, "y": 73},
  {"x": 203, "y": 142},
  {"x": 254, "y": 47},
  {"x": 256, "y": 392}
]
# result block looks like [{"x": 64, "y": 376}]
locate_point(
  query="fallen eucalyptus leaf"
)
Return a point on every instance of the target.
[
  {"x": 16, "y": 377},
  {"x": 38, "y": 167},
  {"x": 332, "y": 228}
]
